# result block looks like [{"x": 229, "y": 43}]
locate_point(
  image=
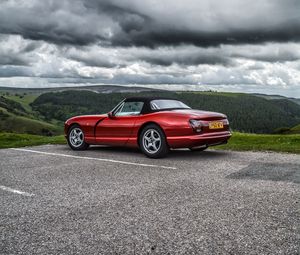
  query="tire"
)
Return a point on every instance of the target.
[
  {"x": 75, "y": 138},
  {"x": 152, "y": 141},
  {"x": 199, "y": 149}
]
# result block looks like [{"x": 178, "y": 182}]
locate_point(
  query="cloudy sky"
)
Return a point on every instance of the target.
[{"x": 228, "y": 45}]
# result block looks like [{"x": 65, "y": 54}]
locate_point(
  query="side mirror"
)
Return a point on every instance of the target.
[{"x": 110, "y": 115}]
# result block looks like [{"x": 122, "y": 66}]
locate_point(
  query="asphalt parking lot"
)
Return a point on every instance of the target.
[{"x": 117, "y": 201}]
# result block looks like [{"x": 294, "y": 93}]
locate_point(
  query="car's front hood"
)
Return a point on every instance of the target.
[
  {"x": 200, "y": 114},
  {"x": 88, "y": 117}
]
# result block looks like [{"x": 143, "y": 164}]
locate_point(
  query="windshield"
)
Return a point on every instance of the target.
[
  {"x": 167, "y": 104},
  {"x": 129, "y": 108}
]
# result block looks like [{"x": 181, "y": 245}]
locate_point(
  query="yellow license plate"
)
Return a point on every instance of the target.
[{"x": 216, "y": 125}]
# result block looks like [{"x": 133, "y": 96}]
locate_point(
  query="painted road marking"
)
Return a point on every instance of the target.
[
  {"x": 98, "y": 159},
  {"x": 16, "y": 191}
]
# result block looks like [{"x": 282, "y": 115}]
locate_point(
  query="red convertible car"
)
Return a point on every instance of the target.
[{"x": 152, "y": 124}]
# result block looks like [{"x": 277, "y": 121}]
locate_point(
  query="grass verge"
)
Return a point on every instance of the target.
[
  {"x": 12, "y": 140},
  {"x": 257, "y": 142},
  {"x": 238, "y": 142}
]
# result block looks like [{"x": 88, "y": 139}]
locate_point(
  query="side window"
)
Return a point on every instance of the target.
[{"x": 130, "y": 108}]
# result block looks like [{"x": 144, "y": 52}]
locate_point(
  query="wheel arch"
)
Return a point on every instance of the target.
[
  {"x": 72, "y": 125},
  {"x": 146, "y": 124}
]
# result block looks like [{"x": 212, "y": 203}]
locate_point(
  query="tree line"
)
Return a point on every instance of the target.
[{"x": 246, "y": 113}]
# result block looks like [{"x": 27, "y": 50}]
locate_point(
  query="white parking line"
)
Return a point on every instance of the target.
[
  {"x": 16, "y": 191},
  {"x": 98, "y": 159}
]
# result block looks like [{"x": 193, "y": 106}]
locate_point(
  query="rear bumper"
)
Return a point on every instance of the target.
[{"x": 206, "y": 139}]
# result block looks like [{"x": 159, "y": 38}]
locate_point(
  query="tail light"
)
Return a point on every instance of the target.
[{"x": 196, "y": 125}]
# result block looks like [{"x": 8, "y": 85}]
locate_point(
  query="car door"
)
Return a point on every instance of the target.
[{"x": 117, "y": 128}]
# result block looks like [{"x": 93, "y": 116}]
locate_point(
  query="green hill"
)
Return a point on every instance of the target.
[
  {"x": 274, "y": 97},
  {"x": 18, "y": 118},
  {"x": 295, "y": 130},
  {"x": 246, "y": 112},
  {"x": 12, "y": 106},
  {"x": 288, "y": 131}
]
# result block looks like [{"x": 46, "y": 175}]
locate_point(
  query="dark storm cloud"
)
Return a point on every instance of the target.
[
  {"x": 15, "y": 60},
  {"x": 285, "y": 55},
  {"x": 132, "y": 23},
  {"x": 141, "y": 29},
  {"x": 159, "y": 37},
  {"x": 128, "y": 19},
  {"x": 14, "y": 71},
  {"x": 59, "y": 22},
  {"x": 163, "y": 56},
  {"x": 186, "y": 59},
  {"x": 77, "y": 22}
]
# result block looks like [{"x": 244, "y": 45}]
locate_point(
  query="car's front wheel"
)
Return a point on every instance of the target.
[
  {"x": 153, "y": 142},
  {"x": 76, "y": 138}
]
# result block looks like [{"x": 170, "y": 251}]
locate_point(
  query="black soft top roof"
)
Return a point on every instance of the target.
[{"x": 147, "y": 100}]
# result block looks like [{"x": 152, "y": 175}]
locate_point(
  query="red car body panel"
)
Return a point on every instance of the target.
[{"x": 124, "y": 130}]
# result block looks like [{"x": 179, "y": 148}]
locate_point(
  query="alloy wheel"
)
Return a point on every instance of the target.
[
  {"x": 76, "y": 137},
  {"x": 151, "y": 141}
]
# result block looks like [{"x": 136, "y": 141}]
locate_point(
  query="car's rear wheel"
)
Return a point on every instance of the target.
[
  {"x": 76, "y": 138},
  {"x": 153, "y": 142}
]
